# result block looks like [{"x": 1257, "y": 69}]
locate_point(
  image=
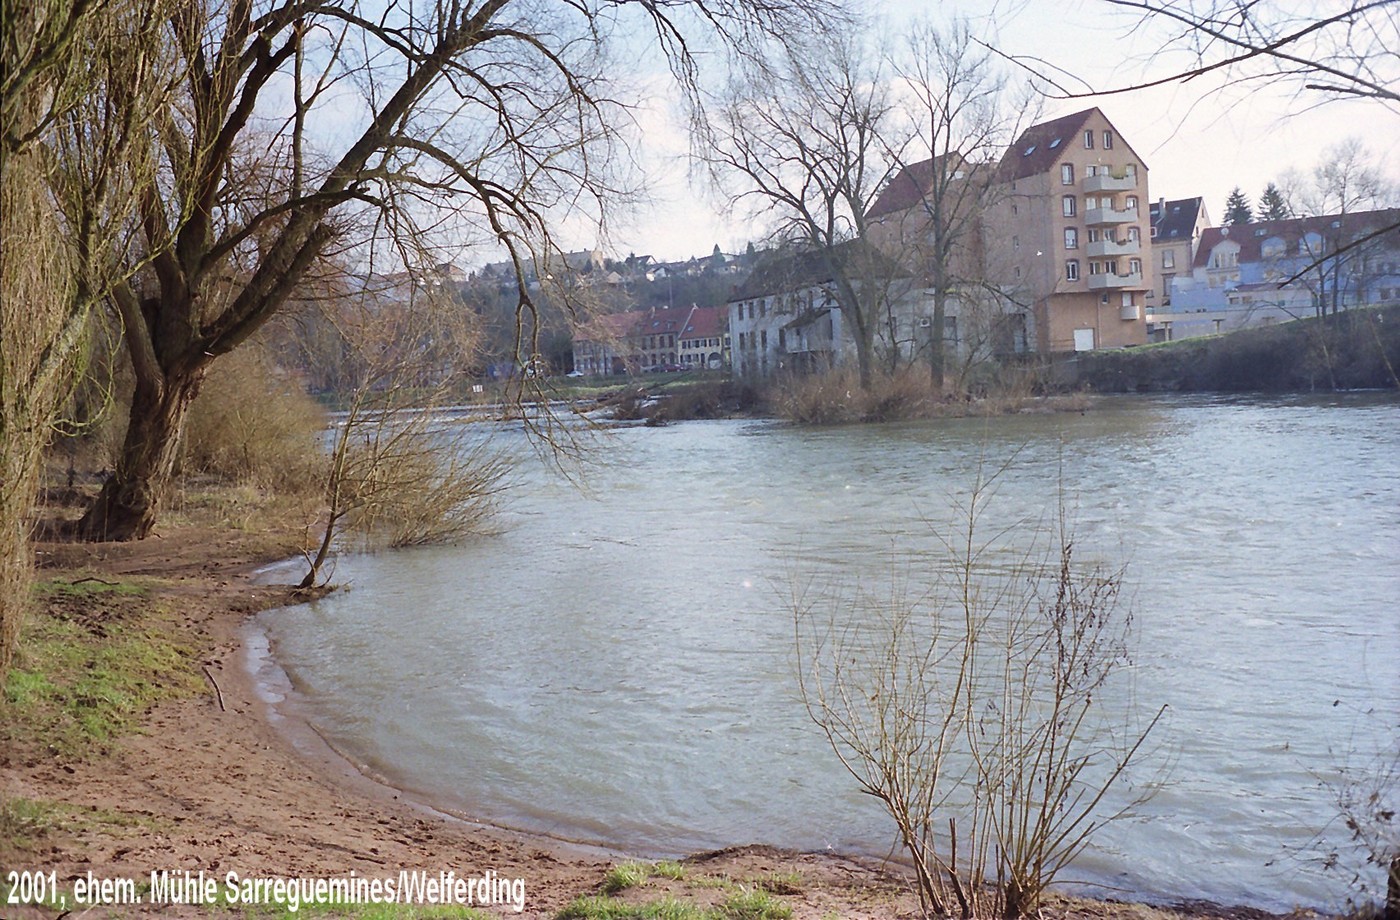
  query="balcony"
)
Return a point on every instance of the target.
[
  {"x": 1104, "y": 183},
  {"x": 1101, "y": 216},
  {"x": 1128, "y": 311},
  {"x": 1113, "y": 248},
  {"x": 1105, "y": 282}
]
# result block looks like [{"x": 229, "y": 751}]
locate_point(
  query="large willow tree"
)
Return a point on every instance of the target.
[{"x": 306, "y": 128}]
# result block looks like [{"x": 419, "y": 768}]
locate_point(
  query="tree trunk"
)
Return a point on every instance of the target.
[
  {"x": 127, "y": 506},
  {"x": 937, "y": 357}
]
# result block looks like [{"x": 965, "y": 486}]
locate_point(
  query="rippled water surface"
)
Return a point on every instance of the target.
[{"x": 617, "y": 664}]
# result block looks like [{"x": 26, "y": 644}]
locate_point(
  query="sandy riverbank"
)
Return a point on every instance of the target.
[{"x": 213, "y": 780}]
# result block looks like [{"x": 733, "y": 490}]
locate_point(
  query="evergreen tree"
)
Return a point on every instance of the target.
[
  {"x": 1237, "y": 209},
  {"x": 1272, "y": 206}
]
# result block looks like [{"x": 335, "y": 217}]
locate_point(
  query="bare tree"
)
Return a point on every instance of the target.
[
  {"x": 501, "y": 110},
  {"x": 973, "y": 712},
  {"x": 812, "y": 158},
  {"x": 961, "y": 114}
]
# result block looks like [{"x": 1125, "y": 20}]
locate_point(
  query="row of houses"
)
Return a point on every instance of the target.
[{"x": 1069, "y": 253}]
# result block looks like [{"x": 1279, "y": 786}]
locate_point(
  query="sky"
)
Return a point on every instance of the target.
[{"x": 1197, "y": 139}]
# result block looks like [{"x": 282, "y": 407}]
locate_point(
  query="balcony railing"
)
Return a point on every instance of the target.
[
  {"x": 1104, "y": 183},
  {"x": 1128, "y": 311},
  {"x": 1107, "y": 282},
  {"x": 1113, "y": 248},
  {"x": 1109, "y": 216}
]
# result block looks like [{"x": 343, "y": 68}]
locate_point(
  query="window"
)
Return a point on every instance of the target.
[
  {"x": 1154, "y": 233},
  {"x": 741, "y": 341},
  {"x": 1095, "y": 268},
  {"x": 1090, "y": 202},
  {"x": 1066, "y": 173},
  {"x": 1168, "y": 259},
  {"x": 763, "y": 339},
  {"x": 1071, "y": 237},
  {"x": 1133, "y": 235},
  {"x": 1068, "y": 207},
  {"x": 1108, "y": 140},
  {"x": 1094, "y": 235},
  {"x": 1131, "y": 172},
  {"x": 1015, "y": 210},
  {"x": 1088, "y": 140},
  {"x": 1015, "y": 242},
  {"x": 1135, "y": 266},
  {"x": 1091, "y": 170},
  {"x": 1072, "y": 270},
  {"x": 1132, "y": 203}
]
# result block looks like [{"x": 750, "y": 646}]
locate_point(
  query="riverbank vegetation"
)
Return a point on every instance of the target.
[{"x": 968, "y": 708}]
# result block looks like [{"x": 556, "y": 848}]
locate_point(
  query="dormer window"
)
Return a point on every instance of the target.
[{"x": 1029, "y": 150}]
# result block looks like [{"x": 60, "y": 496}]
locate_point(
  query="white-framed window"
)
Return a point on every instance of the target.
[
  {"x": 1091, "y": 170},
  {"x": 1091, "y": 202},
  {"x": 1135, "y": 266},
  {"x": 1168, "y": 258},
  {"x": 1068, "y": 206},
  {"x": 1088, "y": 140},
  {"x": 1071, "y": 237},
  {"x": 1133, "y": 235},
  {"x": 1108, "y": 140},
  {"x": 1132, "y": 203},
  {"x": 1131, "y": 172},
  {"x": 1095, "y": 268},
  {"x": 1071, "y": 269},
  {"x": 1094, "y": 235},
  {"x": 1066, "y": 173}
]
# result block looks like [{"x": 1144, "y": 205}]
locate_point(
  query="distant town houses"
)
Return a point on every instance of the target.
[
  {"x": 680, "y": 338},
  {"x": 1276, "y": 271},
  {"x": 1066, "y": 252}
]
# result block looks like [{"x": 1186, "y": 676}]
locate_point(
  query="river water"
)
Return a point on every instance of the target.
[{"x": 617, "y": 665}]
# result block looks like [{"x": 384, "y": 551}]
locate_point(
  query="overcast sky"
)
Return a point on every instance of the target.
[{"x": 1196, "y": 139}]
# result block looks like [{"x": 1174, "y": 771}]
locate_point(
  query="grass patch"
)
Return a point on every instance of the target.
[
  {"x": 785, "y": 883},
  {"x": 668, "y": 868},
  {"x": 746, "y": 904},
  {"x": 605, "y": 908},
  {"x": 625, "y": 875},
  {"x": 754, "y": 904},
  {"x": 23, "y": 822},
  {"x": 92, "y": 662}
]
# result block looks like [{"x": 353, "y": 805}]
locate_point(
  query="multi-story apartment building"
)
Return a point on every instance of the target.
[
  {"x": 1061, "y": 237},
  {"x": 1066, "y": 234}
]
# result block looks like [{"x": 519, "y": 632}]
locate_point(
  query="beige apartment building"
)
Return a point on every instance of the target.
[
  {"x": 1068, "y": 234},
  {"x": 1062, "y": 235}
]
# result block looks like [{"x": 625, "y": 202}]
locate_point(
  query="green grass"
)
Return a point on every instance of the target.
[
  {"x": 89, "y": 666},
  {"x": 745, "y": 904},
  {"x": 625, "y": 875},
  {"x": 604, "y": 908},
  {"x": 24, "y": 821}
]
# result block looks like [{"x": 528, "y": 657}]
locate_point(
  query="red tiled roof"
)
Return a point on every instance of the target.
[
  {"x": 705, "y": 322},
  {"x": 1251, "y": 237}
]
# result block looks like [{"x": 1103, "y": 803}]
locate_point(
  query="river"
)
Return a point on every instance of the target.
[{"x": 617, "y": 666}]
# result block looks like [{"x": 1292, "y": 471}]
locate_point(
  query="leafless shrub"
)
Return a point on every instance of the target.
[
  {"x": 969, "y": 712},
  {"x": 251, "y": 423}
]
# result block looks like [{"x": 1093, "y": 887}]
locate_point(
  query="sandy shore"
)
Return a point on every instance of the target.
[{"x": 221, "y": 782}]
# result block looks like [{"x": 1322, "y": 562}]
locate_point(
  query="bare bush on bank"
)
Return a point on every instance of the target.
[
  {"x": 400, "y": 473},
  {"x": 973, "y": 712},
  {"x": 836, "y": 398}
]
